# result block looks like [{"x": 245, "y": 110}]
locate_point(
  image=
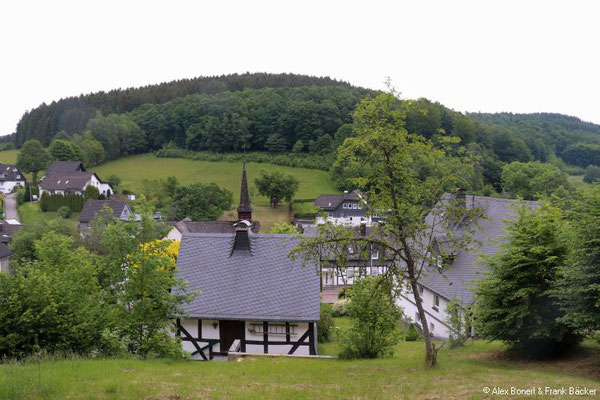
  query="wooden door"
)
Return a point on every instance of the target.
[{"x": 229, "y": 331}]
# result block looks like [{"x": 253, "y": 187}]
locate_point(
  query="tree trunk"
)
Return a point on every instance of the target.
[{"x": 429, "y": 349}]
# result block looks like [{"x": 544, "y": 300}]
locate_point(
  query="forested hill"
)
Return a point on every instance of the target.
[
  {"x": 73, "y": 113},
  {"x": 575, "y": 141}
]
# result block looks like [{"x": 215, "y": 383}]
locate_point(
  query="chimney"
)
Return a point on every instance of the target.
[
  {"x": 244, "y": 209},
  {"x": 241, "y": 241}
]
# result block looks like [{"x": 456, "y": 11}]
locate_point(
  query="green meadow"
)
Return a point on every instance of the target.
[{"x": 461, "y": 374}]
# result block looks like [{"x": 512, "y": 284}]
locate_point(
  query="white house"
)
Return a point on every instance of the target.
[
  {"x": 455, "y": 277},
  {"x": 73, "y": 183},
  {"x": 10, "y": 178},
  {"x": 249, "y": 290}
]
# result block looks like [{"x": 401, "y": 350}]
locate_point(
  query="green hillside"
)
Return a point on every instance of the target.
[
  {"x": 9, "y": 156},
  {"x": 134, "y": 169}
]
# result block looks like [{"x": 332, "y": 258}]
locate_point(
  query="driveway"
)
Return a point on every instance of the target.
[{"x": 10, "y": 207}]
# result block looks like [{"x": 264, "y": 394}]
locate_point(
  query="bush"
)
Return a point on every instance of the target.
[
  {"x": 340, "y": 308},
  {"x": 325, "y": 325},
  {"x": 457, "y": 323},
  {"x": 21, "y": 196},
  {"x": 411, "y": 334},
  {"x": 64, "y": 212},
  {"x": 374, "y": 320}
]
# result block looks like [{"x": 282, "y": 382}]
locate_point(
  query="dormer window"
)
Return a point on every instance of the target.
[
  {"x": 375, "y": 255},
  {"x": 345, "y": 205},
  {"x": 355, "y": 206}
]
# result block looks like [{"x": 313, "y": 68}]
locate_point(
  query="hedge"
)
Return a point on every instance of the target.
[
  {"x": 52, "y": 202},
  {"x": 310, "y": 161}
]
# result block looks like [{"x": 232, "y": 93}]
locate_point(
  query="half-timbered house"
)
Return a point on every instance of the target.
[{"x": 249, "y": 290}]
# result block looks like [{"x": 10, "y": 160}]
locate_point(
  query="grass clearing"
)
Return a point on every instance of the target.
[
  {"x": 461, "y": 374},
  {"x": 9, "y": 156},
  {"x": 133, "y": 169},
  {"x": 264, "y": 214},
  {"x": 30, "y": 212}
]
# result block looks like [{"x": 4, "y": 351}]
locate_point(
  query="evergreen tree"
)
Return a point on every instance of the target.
[{"x": 515, "y": 302}]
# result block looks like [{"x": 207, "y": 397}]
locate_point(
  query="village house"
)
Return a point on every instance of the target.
[
  {"x": 10, "y": 178},
  {"x": 344, "y": 209},
  {"x": 250, "y": 292},
  {"x": 119, "y": 209},
  {"x": 7, "y": 230},
  {"x": 244, "y": 211},
  {"x": 69, "y": 177}
]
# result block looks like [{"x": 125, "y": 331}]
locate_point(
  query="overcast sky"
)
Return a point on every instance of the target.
[{"x": 519, "y": 56}]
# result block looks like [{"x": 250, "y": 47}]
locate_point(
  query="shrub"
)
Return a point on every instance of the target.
[
  {"x": 64, "y": 212},
  {"x": 340, "y": 308},
  {"x": 457, "y": 323},
  {"x": 411, "y": 334},
  {"x": 21, "y": 196},
  {"x": 374, "y": 320},
  {"x": 325, "y": 325}
]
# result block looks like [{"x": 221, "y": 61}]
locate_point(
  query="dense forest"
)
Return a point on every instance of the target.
[
  {"x": 283, "y": 114},
  {"x": 73, "y": 113}
]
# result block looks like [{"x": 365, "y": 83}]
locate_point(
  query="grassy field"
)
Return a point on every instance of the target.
[
  {"x": 8, "y": 156},
  {"x": 30, "y": 212},
  {"x": 461, "y": 374},
  {"x": 266, "y": 215},
  {"x": 132, "y": 170}
]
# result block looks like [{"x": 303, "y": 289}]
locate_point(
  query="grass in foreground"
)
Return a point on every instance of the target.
[
  {"x": 462, "y": 373},
  {"x": 132, "y": 170}
]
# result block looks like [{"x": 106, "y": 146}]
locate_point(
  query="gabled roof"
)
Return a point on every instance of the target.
[
  {"x": 66, "y": 181},
  {"x": 7, "y": 231},
  {"x": 466, "y": 267},
  {"x": 330, "y": 202},
  {"x": 10, "y": 172},
  {"x": 93, "y": 208},
  {"x": 189, "y": 226},
  {"x": 65, "y": 167},
  {"x": 261, "y": 285},
  {"x": 4, "y": 251}
]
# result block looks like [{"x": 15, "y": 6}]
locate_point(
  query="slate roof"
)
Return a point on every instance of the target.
[
  {"x": 64, "y": 167},
  {"x": 4, "y": 251},
  {"x": 93, "y": 207},
  {"x": 9, "y": 172},
  {"x": 189, "y": 226},
  {"x": 66, "y": 181},
  {"x": 7, "y": 231},
  {"x": 466, "y": 266},
  {"x": 330, "y": 202},
  {"x": 264, "y": 285}
]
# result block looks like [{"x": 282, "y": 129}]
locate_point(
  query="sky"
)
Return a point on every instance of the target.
[{"x": 490, "y": 56}]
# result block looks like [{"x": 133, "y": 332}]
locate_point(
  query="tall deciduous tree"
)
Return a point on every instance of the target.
[
  {"x": 33, "y": 158},
  {"x": 529, "y": 180},
  {"x": 405, "y": 175},
  {"x": 200, "y": 202},
  {"x": 276, "y": 186}
]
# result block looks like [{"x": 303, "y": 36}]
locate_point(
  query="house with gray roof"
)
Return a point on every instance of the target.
[
  {"x": 70, "y": 177},
  {"x": 456, "y": 275},
  {"x": 249, "y": 292},
  {"x": 65, "y": 167},
  {"x": 10, "y": 178},
  {"x": 5, "y": 254},
  {"x": 119, "y": 209},
  {"x": 348, "y": 208}
]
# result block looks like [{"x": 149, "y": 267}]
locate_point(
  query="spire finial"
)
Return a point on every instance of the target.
[{"x": 244, "y": 209}]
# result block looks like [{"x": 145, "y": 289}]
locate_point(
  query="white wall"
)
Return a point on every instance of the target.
[
  {"x": 348, "y": 221},
  {"x": 435, "y": 317},
  {"x": 208, "y": 332},
  {"x": 8, "y": 186},
  {"x": 174, "y": 234}
]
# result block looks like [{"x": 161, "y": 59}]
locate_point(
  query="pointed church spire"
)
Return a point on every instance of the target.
[{"x": 244, "y": 209}]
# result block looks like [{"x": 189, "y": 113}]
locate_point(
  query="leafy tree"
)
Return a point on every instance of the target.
[
  {"x": 374, "y": 319},
  {"x": 200, "y": 202},
  {"x": 405, "y": 174},
  {"x": 530, "y": 180},
  {"x": 47, "y": 309},
  {"x": 23, "y": 241},
  {"x": 170, "y": 185},
  {"x": 61, "y": 150},
  {"x": 283, "y": 228},
  {"x": 91, "y": 193},
  {"x": 579, "y": 286},
  {"x": 64, "y": 212},
  {"x": 298, "y": 147},
  {"x": 276, "y": 143},
  {"x": 114, "y": 181},
  {"x": 277, "y": 186},
  {"x": 592, "y": 174},
  {"x": 457, "y": 323},
  {"x": 514, "y": 303},
  {"x": 94, "y": 152},
  {"x": 118, "y": 134},
  {"x": 32, "y": 159}
]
